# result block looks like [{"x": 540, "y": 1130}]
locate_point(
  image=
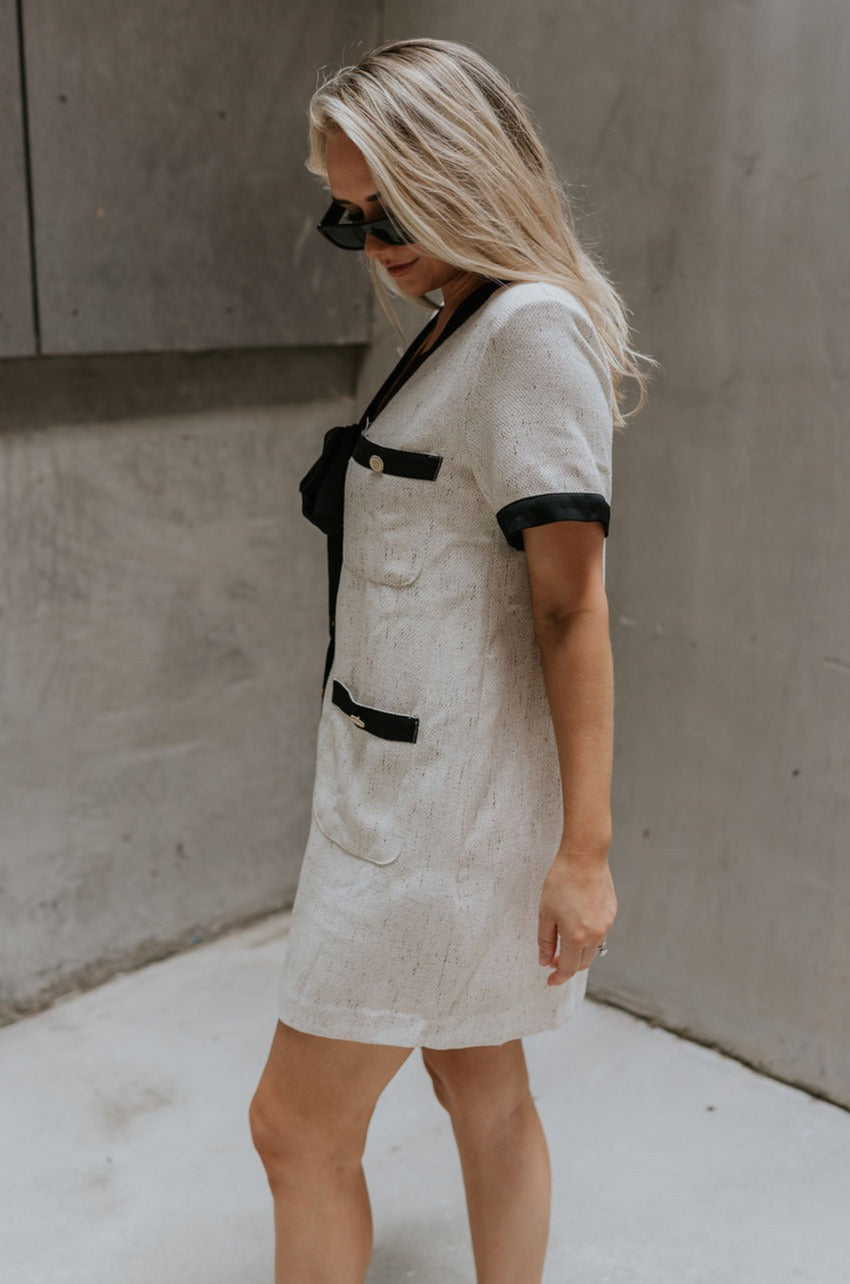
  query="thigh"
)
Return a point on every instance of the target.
[
  {"x": 327, "y": 1087},
  {"x": 488, "y": 1075}
]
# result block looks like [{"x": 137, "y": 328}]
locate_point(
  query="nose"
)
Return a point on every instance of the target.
[{"x": 373, "y": 245}]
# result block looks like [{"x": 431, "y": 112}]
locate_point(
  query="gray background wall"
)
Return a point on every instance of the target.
[
  {"x": 706, "y": 148},
  {"x": 163, "y": 618},
  {"x": 164, "y": 604},
  {"x": 170, "y": 204}
]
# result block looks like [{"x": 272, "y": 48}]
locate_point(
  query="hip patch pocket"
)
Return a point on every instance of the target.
[{"x": 364, "y": 760}]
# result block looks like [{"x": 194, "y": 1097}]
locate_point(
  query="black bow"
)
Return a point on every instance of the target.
[
  {"x": 323, "y": 486},
  {"x": 322, "y": 497}
]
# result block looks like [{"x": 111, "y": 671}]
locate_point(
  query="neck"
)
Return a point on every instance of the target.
[{"x": 456, "y": 290}]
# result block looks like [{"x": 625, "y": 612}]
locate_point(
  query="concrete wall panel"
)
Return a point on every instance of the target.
[
  {"x": 17, "y": 333},
  {"x": 172, "y": 206},
  {"x": 706, "y": 147},
  {"x": 164, "y": 621}
]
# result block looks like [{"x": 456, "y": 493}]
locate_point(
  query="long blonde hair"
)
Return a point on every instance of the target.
[{"x": 458, "y": 159}]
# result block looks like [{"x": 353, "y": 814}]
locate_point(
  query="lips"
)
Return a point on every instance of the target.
[{"x": 395, "y": 268}]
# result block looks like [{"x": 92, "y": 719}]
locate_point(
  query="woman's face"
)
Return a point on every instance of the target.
[{"x": 353, "y": 186}]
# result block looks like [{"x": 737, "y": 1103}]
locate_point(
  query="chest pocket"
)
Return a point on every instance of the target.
[{"x": 389, "y": 511}]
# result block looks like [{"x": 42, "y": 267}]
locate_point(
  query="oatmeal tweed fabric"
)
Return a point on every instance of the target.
[{"x": 415, "y": 917}]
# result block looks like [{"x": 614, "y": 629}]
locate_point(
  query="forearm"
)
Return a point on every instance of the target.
[{"x": 575, "y": 656}]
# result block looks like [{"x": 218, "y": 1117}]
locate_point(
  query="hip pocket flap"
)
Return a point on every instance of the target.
[{"x": 378, "y": 722}]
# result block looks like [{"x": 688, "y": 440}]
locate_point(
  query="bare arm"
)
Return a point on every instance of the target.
[{"x": 570, "y": 612}]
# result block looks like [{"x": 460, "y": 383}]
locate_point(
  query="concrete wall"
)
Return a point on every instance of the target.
[
  {"x": 707, "y": 147},
  {"x": 170, "y": 205},
  {"x": 164, "y": 618},
  {"x": 163, "y": 601}
]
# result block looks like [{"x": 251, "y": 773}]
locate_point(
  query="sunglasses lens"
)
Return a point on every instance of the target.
[
  {"x": 352, "y": 236},
  {"x": 390, "y": 234},
  {"x": 347, "y": 238}
]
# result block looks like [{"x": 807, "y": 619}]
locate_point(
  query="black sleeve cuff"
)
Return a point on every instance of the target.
[{"x": 536, "y": 510}]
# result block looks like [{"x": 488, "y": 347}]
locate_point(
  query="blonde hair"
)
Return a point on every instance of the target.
[{"x": 458, "y": 159}]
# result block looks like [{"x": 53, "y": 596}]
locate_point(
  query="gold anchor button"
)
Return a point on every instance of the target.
[{"x": 376, "y": 463}]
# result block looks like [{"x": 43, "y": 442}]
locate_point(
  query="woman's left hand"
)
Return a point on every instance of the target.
[{"x": 578, "y": 903}]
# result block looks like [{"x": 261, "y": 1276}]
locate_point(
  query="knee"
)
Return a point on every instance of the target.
[
  {"x": 479, "y": 1090},
  {"x": 280, "y": 1137},
  {"x": 452, "y": 1082},
  {"x": 290, "y": 1140},
  {"x": 267, "y": 1125},
  {"x": 440, "y": 1091}
]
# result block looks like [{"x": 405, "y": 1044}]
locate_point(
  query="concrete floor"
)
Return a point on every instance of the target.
[{"x": 126, "y": 1153}]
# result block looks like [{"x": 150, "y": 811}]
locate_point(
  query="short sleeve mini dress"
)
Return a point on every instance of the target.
[{"x": 437, "y": 805}]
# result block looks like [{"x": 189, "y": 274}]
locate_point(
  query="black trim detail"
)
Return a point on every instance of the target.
[
  {"x": 561, "y": 506},
  {"x": 405, "y": 366},
  {"x": 323, "y": 487},
  {"x": 389, "y": 726},
  {"x": 401, "y": 463}
]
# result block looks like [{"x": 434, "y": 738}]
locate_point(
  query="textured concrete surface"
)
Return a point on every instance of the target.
[
  {"x": 164, "y": 617},
  {"x": 172, "y": 206},
  {"x": 705, "y": 147},
  {"x": 127, "y": 1153}
]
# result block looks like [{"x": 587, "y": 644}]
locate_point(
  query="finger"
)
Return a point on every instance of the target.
[
  {"x": 567, "y": 964},
  {"x": 571, "y": 960},
  {"x": 547, "y": 939}
]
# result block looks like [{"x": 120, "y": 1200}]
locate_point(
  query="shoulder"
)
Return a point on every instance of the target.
[
  {"x": 536, "y": 321},
  {"x": 523, "y": 302},
  {"x": 538, "y": 326}
]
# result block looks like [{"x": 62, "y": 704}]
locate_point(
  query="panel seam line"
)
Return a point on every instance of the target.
[{"x": 36, "y": 318}]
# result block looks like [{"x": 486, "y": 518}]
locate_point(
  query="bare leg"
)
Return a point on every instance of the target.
[
  {"x": 503, "y": 1155},
  {"x": 309, "y": 1118}
]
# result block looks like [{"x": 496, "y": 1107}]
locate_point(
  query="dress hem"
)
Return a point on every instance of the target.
[{"x": 406, "y": 1030}]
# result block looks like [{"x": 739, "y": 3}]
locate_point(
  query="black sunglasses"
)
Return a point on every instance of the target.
[{"x": 352, "y": 236}]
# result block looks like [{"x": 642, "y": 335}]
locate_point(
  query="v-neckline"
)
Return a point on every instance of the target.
[{"x": 405, "y": 367}]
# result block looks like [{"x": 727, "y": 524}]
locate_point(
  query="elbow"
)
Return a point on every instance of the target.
[{"x": 555, "y": 616}]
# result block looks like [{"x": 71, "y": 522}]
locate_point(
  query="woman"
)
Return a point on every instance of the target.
[{"x": 461, "y": 808}]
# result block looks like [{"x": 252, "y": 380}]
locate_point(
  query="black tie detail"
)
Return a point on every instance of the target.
[{"x": 323, "y": 486}]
